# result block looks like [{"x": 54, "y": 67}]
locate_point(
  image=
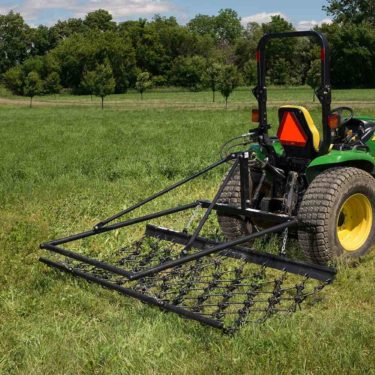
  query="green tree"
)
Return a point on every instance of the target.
[
  {"x": 250, "y": 72},
  {"x": 228, "y": 26},
  {"x": 14, "y": 40},
  {"x": 228, "y": 81},
  {"x": 52, "y": 83},
  {"x": 189, "y": 72},
  {"x": 225, "y": 28},
  {"x": 42, "y": 39},
  {"x": 151, "y": 54},
  {"x": 203, "y": 25},
  {"x": 13, "y": 80},
  {"x": 88, "y": 82},
  {"x": 33, "y": 86},
  {"x": 280, "y": 54},
  {"x": 100, "y": 20},
  {"x": 351, "y": 11},
  {"x": 212, "y": 75},
  {"x": 352, "y": 54},
  {"x": 313, "y": 77},
  {"x": 104, "y": 83},
  {"x": 143, "y": 83},
  {"x": 64, "y": 29},
  {"x": 246, "y": 46},
  {"x": 159, "y": 81},
  {"x": 306, "y": 51},
  {"x": 82, "y": 52},
  {"x": 279, "y": 73},
  {"x": 31, "y": 64}
]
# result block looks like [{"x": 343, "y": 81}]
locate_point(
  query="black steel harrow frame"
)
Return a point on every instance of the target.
[{"x": 220, "y": 284}]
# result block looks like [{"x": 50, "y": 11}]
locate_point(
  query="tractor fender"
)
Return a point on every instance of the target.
[{"x": 353, "y": 158}]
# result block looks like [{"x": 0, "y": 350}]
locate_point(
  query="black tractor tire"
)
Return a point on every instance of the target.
[
  {"x": 234, "y": 227},
  {"x": 337, "y": 215}
]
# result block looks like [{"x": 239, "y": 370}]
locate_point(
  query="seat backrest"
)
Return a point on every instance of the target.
[{"x": 297, "y": 132}]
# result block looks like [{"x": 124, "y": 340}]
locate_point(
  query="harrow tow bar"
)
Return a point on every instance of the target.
[{"x": 163, "y": 192}]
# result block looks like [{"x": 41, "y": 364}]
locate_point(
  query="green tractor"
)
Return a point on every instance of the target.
[
  {"x": 326, "y": 181},
  {"x": 318, "y": 189}
]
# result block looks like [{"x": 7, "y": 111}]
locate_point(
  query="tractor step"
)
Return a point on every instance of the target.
[{"x": 224, "y": 288}]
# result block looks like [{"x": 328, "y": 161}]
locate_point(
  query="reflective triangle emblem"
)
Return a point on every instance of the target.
[{"x": 290, "y": 131}]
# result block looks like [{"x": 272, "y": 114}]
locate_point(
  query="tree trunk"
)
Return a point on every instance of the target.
[
  {"x": 226, "y": 102},
  {"x": 31, "y": 101},
  {"x": 102, "y": 102},
  {"x": 213, "y": 96}
]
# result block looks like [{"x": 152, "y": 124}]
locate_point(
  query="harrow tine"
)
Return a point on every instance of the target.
[
  {"x": 219, "y": 290},
  {"x": 214, "y": 249},
  {"x": 131, "y": 293}
]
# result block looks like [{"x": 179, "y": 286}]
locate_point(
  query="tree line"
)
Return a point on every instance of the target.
[{"x": 98, "y": 56}]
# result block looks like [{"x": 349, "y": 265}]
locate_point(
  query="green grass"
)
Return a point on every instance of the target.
[
  {"x": 63, "y": 169},
  {"x": 178, "y": 97},
  {"x": 241, "y": 95}
]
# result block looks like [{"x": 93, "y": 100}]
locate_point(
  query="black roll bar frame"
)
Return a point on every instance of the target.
[{"x": 324, "y": 92}]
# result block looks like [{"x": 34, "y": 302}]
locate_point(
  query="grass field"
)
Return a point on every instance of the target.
[
  {"x": 183, "y": 99},
  {"x": 63, "y": 168}
]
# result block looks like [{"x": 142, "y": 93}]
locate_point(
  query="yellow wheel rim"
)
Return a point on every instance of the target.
[{"x": 354, "y": 222}]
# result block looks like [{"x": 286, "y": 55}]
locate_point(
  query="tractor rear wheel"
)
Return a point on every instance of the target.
[{"x": 338, "y": 215}]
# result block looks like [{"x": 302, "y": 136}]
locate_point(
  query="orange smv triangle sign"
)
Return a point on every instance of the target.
[{"x": 290, "y": 132}]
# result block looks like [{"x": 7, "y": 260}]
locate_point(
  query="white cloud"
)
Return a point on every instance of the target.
[
  {"x": 308, "y": 25},
  {"x": 266, "y": 17},
  {"x": 261, "y": 17},
  {"x": 126, "y": 8},
  {"x": 7, "y": 9},
  {"x": 31, "y": 9}
]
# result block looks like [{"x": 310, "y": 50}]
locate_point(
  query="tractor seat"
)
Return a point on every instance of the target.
[
  {"x": 367, "y": 124},
  {"x": 364, "y": 129},
  {"x": 360, "y": 123},
  {"x": 297, "y": 132}
]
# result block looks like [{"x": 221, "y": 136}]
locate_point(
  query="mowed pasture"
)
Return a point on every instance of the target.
[
  {"x": 66, "y": 164},
  {"x": 181, "y": 98}
]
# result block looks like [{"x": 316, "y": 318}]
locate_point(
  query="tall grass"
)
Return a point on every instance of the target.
[{"x": 64, "y": 169}]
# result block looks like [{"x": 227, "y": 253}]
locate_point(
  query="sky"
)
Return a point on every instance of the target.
[{"x": 304, "y": 14}]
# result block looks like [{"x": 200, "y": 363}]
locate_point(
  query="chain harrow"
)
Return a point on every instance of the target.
[
  {"x": 226, "y": 291},
  {"x": 218, "y": 283}
]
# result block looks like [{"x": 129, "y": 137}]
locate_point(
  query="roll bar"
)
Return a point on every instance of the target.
[{"x": 323, "y": 92}]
